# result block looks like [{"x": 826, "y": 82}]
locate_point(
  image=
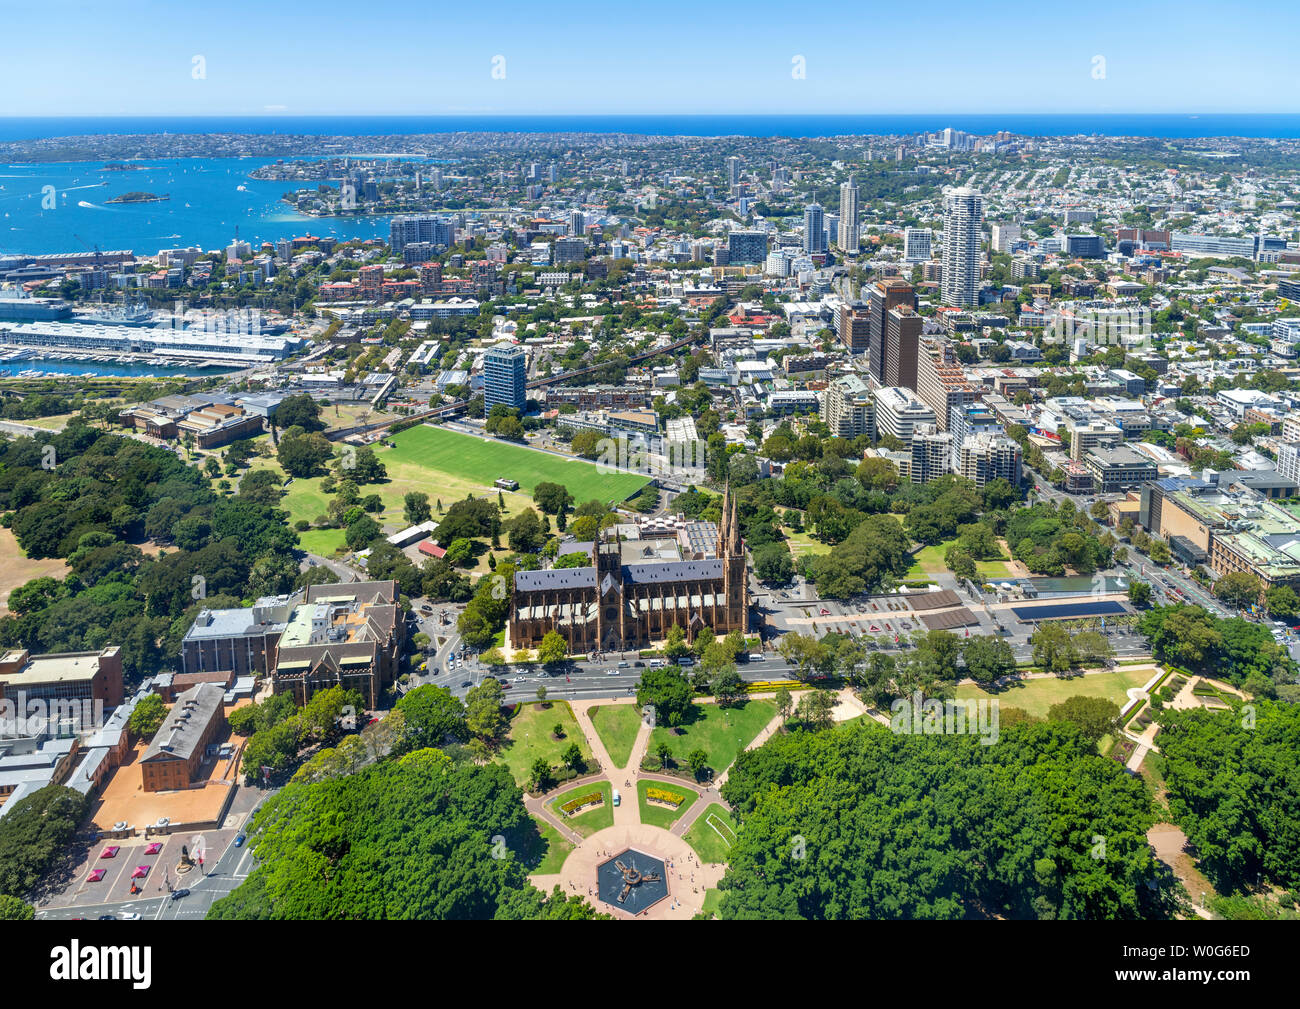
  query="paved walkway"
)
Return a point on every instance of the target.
[{"x": 688, "y": 880}]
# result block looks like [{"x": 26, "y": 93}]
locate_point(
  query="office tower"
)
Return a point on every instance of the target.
[
  {"x": 847, "y": 239},
  {"x": 853, "y": 327},
  {"x": 1085, "y": 246},
  {"x": 963, "y": 212},
  {"x": 902, "y": 346},
  {"x": 733, "y": 171},
  {"x": 747, "y": 247},
  {"x": 814, "y": 230},
  {"x": 883, "y": 297},
  {"x": 505, "y": 377},
  {"x": 370, "y": 190},
  {"x": 577, "y": 221},
  {"x": 916, "y": 245},
  {"x": 1003, "y": 236}
]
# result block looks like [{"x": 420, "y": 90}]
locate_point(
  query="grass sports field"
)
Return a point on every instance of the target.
[{"x": 456, "y": 461}]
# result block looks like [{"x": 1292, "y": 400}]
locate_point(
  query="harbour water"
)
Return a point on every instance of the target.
[
  {"x": 55, "y": 366},
  {"x": 207, "y": 203}
]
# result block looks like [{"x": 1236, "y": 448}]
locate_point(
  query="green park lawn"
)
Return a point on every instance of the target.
[
  {"x": 592, "y": 820},
  {"x": 710, "y": 835},
  {"x": 529, "y": 737},
  {"x": 929, "y": 561},
  {"x": 712, "y": 900},
  {"x": 617, "y": 726},
  {"x": 1037, "y": 696},
  {"x": 802, "y": 544},
  {"x": 448, "y": 459},
  {"x": 722, "y": 733},
  {"x": 662, "y": 816},
  {"x": 555, "y": 849}
]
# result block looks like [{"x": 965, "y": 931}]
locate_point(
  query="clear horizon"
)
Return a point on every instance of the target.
[{"x": 147, "y": 58}]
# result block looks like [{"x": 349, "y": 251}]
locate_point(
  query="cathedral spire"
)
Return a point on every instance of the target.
[{"x": 723, "y": 531}]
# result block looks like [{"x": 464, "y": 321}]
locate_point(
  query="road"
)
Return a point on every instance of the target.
[{"x": 219, "y": 879}]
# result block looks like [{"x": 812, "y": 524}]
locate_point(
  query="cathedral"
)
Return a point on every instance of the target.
[{"x": 613, "y": 605}]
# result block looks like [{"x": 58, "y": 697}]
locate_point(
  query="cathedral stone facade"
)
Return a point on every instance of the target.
[{"x": 613, "y": 606}]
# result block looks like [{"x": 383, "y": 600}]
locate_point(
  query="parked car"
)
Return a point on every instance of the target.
[{"x": 617, "y": 798}]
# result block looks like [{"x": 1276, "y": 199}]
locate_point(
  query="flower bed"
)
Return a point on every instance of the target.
[
  {"x": 575, "y": 806},
  {"x": 664, "y": 797}
]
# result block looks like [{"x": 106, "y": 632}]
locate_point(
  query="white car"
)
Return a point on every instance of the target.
[{"x": 129, "y": 916}]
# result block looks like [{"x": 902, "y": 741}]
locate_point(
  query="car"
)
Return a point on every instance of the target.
[
  {"x": 611, "y": 672},
  {"x": 617, "y": 797},
  {"x": 623, "y": 665},
  {"x": 178, "y": 894},
  {"x": 756, "y": 657},
  {"x": 107, "y": 917},
  {"x": 129, "y": 916},
  {"x": 638, "y": 664},
  {"x": 519, "y": 679},
  {"x": 239, "y": 841},
  {"x": 506, "y": 686},
  {"x": 468, "y": 683},
  {"x": 825, "y": 612}
]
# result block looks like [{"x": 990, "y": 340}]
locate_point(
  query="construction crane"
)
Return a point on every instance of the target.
[{"x": 99, "y": 256}]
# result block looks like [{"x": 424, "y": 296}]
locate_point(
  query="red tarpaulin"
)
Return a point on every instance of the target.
[
  {"x": 153, "y": 849},
  {"x": 96, "y": 876},
  {"x": 110, "y": 852},
  {"x": 141, "y": 871}
]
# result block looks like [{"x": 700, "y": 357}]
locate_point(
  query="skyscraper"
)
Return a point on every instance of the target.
[
  {"x": 814, "y": 229},
  {"x": 847, "y": 239},
  {"x": 733, "y": 171},
  {"x": 882, "y": 298},
  {"x": 505, "y": 377},
  {"x": 963, "y": 215}
]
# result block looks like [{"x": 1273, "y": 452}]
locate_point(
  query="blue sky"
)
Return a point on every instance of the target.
[{"x": 137, "y": 57}]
